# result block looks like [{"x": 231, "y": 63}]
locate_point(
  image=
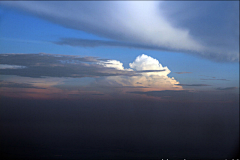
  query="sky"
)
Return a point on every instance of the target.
[{"x": 169, "y": 54}]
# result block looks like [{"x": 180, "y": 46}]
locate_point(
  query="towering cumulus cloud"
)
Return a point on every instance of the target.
[{"x": 152, "y": 75}]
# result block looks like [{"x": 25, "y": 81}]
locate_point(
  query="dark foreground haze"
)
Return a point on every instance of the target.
[{"x": 118, "y": 129}]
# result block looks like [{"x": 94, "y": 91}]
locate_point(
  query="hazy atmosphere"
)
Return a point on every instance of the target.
[{"x": 119, "y": 79}]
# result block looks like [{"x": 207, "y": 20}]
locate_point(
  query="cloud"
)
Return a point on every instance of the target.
[
  {"x": 91, "y": 43},
  {"x": 145, "y": 66},
  {"x": 50, "y": 65},
  {"x": 102, "y": 76},
  {"x": 196, "y": 85},
  {"x": 226, "y": 88},
  {"x": 6, "y": 66},
  {"x": 188, "y": 96},
  {"x": 112, "y": 64},
  {"x": 182, "y": 72},
  {"x": 18, "y": 85},
  {"x": 214, "y": 79},
  {"x": 214, "y": 24},
  {"x": 164, "y": 93},
  {"x": 78, "y": 42},
  {"x": 145, "y": 24},
  {"x": 47, "y": 65},
  {"x": 145, "y": 62},
  {"x": 98, "y": 94},
  {"x": 42, "y": 59},
  {"x": 152, "y": 75}
]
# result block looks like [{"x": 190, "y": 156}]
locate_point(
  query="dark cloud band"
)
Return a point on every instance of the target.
[{"x": 48, "y": 65}]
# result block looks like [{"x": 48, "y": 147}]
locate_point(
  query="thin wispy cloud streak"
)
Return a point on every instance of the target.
[
  {"x": 77, "y": 42},
  {"x": 182, "y": 72},
  {"x": 18, "y": 85},
  {"x": 226, "y": 88},
  {"x": 221, "y": 79},
  {"x": 6, "y": 66},
  {"x": 188, "y": 95},
  {"x": 142, "y": 71},
  {"x": 196, "y": 85}
]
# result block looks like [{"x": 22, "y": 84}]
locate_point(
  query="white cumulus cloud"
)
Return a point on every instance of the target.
[
  {"x": 156, "y": 80},
  {"x": 145, "y": 62}
]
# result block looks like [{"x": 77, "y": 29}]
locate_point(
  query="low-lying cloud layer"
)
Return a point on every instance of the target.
[
  {"x": 47, "y": 65},
  {"x": 174, "y": 26},
  {"x": 107, "y": 76},
  {"x": 48, "y": 75},
  {"x": 18, "y": 85}
]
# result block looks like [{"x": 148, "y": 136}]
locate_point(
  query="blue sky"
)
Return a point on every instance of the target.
[{"x": 196, "y": 41}]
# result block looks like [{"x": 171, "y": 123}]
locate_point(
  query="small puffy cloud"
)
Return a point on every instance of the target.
[
  {"x": 112, "y": 64},
  {"x": 144, "y": 62}
]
